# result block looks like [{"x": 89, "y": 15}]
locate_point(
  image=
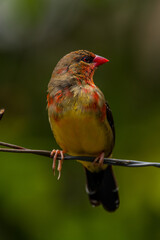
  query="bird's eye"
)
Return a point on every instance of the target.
[{"x": 87, "y": 59}]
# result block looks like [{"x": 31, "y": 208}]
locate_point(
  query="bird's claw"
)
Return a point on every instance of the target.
[
  {"x": 99, "y": 160},
  {"x": 55, "y": 154}
]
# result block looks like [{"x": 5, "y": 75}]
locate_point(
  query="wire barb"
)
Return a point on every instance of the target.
[{"x": 1, "y": 113}]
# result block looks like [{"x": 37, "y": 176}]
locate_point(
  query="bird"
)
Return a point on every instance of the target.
[{"x": 82, "y": 124}]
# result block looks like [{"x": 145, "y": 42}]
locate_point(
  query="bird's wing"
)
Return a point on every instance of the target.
[{"x": 110, "y": 119}]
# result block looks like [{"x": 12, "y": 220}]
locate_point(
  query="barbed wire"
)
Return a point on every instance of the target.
[{"x": 12, "y": 148}]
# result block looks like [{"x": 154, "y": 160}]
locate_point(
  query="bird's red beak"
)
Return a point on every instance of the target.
[{"x": 98, "y": 60}]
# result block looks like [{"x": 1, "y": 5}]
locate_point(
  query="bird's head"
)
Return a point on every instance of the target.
[{"x": 80, "y": 64}]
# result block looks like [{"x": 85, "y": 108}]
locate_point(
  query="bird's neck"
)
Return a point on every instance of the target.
[
  {"x": 83, "y": 74},
  {"x": 71, "y": 79}
]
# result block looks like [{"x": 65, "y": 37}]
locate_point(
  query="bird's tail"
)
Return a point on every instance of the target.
[{"x": 102, "y": 189}]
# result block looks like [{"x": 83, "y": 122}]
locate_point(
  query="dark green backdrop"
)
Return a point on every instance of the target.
[{"x": 34, "y": 35}]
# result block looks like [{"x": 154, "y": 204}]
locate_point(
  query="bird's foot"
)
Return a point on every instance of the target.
[
  {"x": 55, "y": 154},
  {"x": 99, "y": 160}
]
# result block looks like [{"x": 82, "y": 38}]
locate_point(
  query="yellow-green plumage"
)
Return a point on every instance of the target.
[{"x": 80, "y": 130}]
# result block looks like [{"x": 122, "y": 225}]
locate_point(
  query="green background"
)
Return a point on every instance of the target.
[{"x": 34, "y": 35}]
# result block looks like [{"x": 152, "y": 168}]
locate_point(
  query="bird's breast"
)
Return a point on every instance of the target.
[{"x": 78, "y": 121}]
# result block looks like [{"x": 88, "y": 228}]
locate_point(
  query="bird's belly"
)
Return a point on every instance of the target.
[{"x": 82, "y": 135}]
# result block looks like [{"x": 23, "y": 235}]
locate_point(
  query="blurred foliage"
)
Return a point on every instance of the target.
[{"x": 34, "y": 35}]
